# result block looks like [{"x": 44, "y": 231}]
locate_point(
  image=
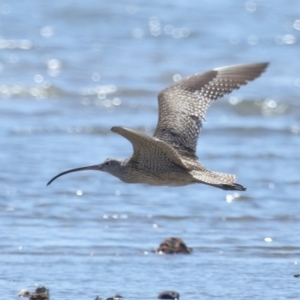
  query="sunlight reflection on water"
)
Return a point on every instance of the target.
[{"x": 69, "y": 73}]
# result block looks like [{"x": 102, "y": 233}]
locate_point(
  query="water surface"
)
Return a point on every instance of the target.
[{"x": 69, "y": 71}]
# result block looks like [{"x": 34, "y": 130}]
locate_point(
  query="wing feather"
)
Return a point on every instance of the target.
[
  {"x": 150, "y": 152},
  {"x": 183, "y": 105}
]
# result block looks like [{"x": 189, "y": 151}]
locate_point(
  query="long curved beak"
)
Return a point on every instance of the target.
[{"x": 95, "y": 168}]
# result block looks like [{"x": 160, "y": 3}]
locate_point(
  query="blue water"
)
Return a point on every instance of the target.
[{"x": 69, "y": 71}]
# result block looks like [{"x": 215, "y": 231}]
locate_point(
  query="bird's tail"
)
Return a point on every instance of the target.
[{"x": 219, "y": 180}]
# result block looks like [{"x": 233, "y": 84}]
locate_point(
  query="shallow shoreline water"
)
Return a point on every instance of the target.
[{"x": 71, "y": 70}]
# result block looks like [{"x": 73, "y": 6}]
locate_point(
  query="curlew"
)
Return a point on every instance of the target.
[{"x": 169, "y": 157}]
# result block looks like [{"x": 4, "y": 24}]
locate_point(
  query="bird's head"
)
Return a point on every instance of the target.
[{"x": 111, "y": 165}]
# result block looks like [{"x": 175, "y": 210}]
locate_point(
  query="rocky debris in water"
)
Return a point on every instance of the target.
[
  {"x": 116, "y": 297},
  {"x": 173, "y": 245},
  {"x": 41, "y": 293},
  {"x": 169, "y": 295}
]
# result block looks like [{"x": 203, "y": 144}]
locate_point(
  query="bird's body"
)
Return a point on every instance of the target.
[
  {"x": 133, "y": 172},
  {"x": 169, "y": 157},
  {"x": 164, "y": 169}
]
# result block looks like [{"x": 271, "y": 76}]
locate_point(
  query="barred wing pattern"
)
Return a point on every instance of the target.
[{"x": 183, "y": 105}]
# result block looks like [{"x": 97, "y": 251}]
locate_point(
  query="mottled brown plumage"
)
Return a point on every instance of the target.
[{"x": 169, "y": 157}]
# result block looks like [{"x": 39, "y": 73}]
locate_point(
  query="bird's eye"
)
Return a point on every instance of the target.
[{"x": 107, "y": 163}]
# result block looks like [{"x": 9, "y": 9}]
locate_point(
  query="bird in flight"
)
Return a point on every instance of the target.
[{"x": 169, "y": 157}]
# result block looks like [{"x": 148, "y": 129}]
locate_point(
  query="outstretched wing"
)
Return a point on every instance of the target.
[
  {"x": 150, "y": 152},
  {"x": 183, "y": 105}
]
